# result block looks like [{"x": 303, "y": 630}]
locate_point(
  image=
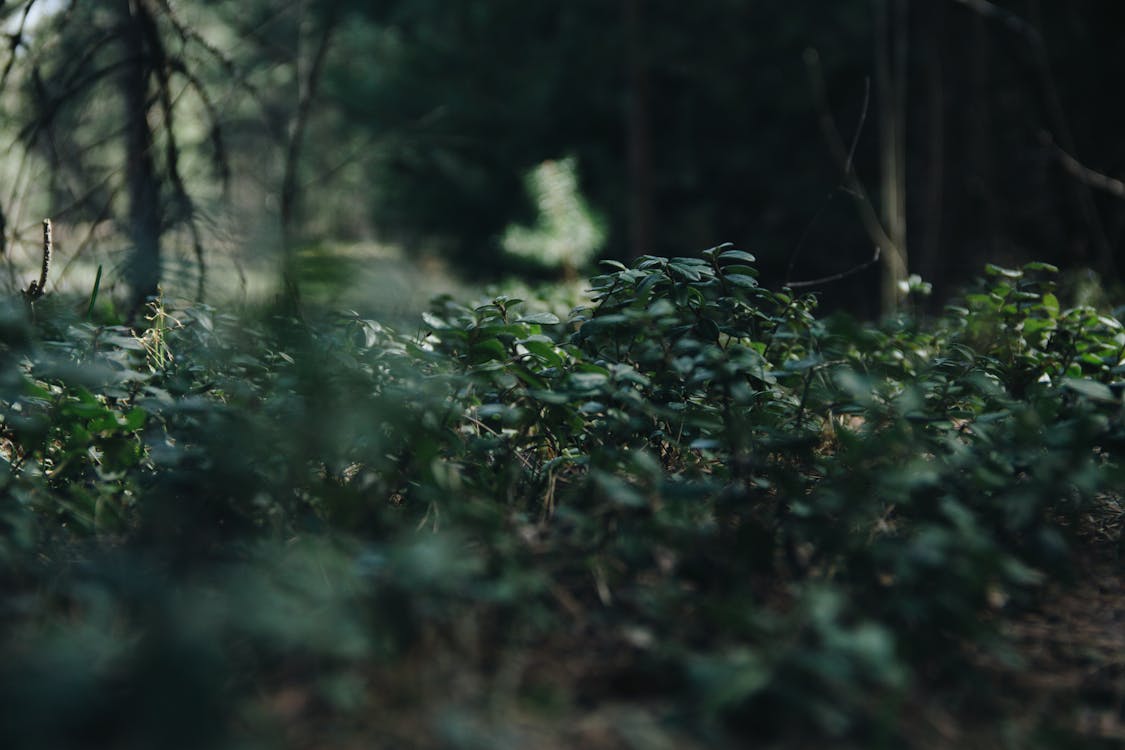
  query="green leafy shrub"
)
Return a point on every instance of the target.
[{"x": 775, "y": 520}]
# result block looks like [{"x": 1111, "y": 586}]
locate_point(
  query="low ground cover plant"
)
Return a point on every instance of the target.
[{"x": 692, "y": 494}]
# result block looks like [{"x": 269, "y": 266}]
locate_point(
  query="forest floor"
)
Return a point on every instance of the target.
[
  {"x": 1068, "y": 679},
  {"x": 1057, "y": 680}
]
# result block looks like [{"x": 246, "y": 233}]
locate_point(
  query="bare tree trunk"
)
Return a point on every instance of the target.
[
  {"x": 930, "y": 265},
  {"x": 890, "y": 75},
  {"x": 142, "y": 182},
  {"x": 638, "y": 132},
  {"x": 307, "y": 83}
]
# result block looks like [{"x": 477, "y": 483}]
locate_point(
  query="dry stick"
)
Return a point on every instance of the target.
[
  {"x": 854, "y": 187},
  {"x": 836, "y": 276},
  {"x": 1080, "y": 171},
  {"x": 35, "y": 290},
  {"x": 1055, "y": 111},
  {"x": 3, "y": 232}
]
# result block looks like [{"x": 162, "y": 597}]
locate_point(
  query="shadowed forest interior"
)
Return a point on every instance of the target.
[
  {"x": 601, "y": 374},
  {"x": 168, "y": 140}
]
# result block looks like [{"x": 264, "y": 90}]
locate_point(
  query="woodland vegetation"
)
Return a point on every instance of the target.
[{"x": 612, "y": 489}]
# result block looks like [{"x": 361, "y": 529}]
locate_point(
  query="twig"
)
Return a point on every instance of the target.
[
  {"x": 1080, "y": 171},
  {"x": 15, "y": 41},
  {"x": 852, "y": 183},
  {"x": 35, "y": 289},
  {"x": 837, "y": 276}
]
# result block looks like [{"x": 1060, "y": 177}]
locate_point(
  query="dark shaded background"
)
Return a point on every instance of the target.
[
  {"x": 736, "y": 153},
  {"x": 692, "y": 124}
]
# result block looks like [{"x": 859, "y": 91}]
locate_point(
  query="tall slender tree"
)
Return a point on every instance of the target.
[
  {"x": 137, "y": 38},
  {"x": 891, "y": 40},
  {"x": 308, "y": 74}
]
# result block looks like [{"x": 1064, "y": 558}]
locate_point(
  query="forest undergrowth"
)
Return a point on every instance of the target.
[{"x": 691, "y": 513}]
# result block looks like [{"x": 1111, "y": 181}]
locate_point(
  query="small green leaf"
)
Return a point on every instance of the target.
[
  {"x": 1091, "y": 389},
  {"x": 994, "y": 270},
  {"x": 742, "y": 280},
  {"x": 549, "y": 397},
  {"x": 588, "y": 380},
  {"x": 1051, "y": 304},
  {"x": 134, "y": 419},
  {"x": 708, "y": 329},
  {"x": 540, "y": 318},
  {"x": 529, "y": 379},
  {"x": 542, "y": 348},
  {"x": 488, "y": 349},
  {"x": 737, "y": 256},
  {"x": 691, "y": 274}
]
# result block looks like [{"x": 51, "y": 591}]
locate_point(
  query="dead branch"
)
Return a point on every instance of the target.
[
  {"x": 843, "y": 157},
  {"x": 1080, "y": 171},
  {"x": 35, "y": 290},
  {"x": 836, "y": 276}
]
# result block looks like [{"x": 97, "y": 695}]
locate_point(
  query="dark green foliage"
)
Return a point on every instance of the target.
[{"x": 775, "y": 521}]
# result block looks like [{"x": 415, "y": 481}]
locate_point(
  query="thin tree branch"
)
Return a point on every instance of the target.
[
  {"x": 15, "y": 41},
  {"x": 289, "y": 183},
  {"x": 1080, "y": 171},
  {"x": 867, "y": 214},
  {"x": 30, "y": 131},
  {"x": 215, "y": 132},
  {"x": 836, "y": 277}
]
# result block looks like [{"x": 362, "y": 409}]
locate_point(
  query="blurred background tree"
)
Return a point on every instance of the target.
[
  {"x": 107, "y": 87},
  {"x": 988, "y": 129}
]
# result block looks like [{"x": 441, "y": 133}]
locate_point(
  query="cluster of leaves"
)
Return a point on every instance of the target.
[{"x": 777, "y": 520}]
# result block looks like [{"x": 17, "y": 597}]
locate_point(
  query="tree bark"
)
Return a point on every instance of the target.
[
  {"x": 890, "y": 75},
  {"x": 142, "y": 183},
  {"x": 307, "y": 85}
]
